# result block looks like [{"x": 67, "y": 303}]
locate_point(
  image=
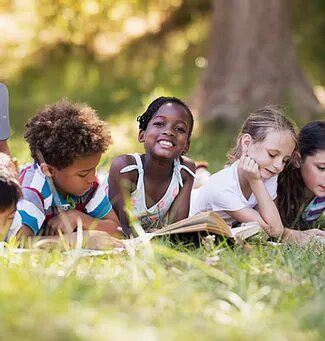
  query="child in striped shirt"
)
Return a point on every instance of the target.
[{"x": 60, "y": 187}]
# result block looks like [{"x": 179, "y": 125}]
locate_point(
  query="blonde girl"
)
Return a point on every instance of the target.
[{"x": 246, "y": 189}]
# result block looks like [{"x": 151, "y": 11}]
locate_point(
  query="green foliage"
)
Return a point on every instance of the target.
[
  {"x": 308, "y": 26},
  {"x": 75, "y": 49},
  {"x": 119, "y": 89}
]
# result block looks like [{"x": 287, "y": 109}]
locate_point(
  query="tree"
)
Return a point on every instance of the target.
[{"x": 252, "y": 62}]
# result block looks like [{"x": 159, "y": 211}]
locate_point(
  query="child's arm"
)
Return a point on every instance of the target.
[
  {"x": 120, "y": 186},
  {"x": 96, "y": 240},
  {"x": 181, "y": 206},
  {"x": 266, "y": 206},
  {"x": 68, "y": 221},
  {"x": 247, "y": 215}
]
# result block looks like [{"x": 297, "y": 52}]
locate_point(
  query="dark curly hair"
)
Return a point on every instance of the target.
[
  {"x": 10, "y": 191},
  {"x": 63, "y": 131},
  {"x": 154, "y": 107}
]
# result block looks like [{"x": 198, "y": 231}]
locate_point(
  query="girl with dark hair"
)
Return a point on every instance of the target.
[
  {"x": 158, "y": 182},
  {"x": 301, "y": 191}
]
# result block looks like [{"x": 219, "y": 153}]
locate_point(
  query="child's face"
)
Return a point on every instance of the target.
[
  {"x": 77, "y": 178},
  {"x": 313, "y": 173},
  {"x": 272, "y": 153},
  {"x": 167, "y": 133},
  {"x": 6, "y": 218}
]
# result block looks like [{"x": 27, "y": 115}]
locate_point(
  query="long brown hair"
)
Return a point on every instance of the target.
[
  {"x": 291, "y": 187},
  {"x": 258, "y": 124}
]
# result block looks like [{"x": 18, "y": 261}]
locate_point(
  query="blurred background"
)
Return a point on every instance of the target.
[{"x": 223, "y": 57}]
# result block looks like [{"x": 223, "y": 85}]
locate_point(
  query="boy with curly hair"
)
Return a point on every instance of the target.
[{"x": 60, "y": 188}]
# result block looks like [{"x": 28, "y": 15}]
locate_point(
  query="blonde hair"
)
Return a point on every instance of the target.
[{"x": 258, "y": 124}]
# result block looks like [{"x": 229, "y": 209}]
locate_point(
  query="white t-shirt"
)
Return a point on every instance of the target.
[{"x": 222, "y": 193}]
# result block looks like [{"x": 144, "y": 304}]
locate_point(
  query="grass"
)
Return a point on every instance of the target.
[{"x": 270, "y": 293}]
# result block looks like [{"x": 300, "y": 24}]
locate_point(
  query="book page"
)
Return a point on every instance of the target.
[
  {"x": 198, "y": 228},
  {"x": 246, "y": 230},
  {"x": 210, "y": 218}
]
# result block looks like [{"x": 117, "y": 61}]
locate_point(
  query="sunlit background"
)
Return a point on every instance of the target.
[{"x": 119, "y": 55}]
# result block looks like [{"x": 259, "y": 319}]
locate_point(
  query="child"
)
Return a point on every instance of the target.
[
  {"x": 245, "y": 190},
  {"x": 66, "y": 142},
  {"x": 10, "y": 193},
  {"x": 302, "y": 185},
  {"x": 159, "y": 181}
]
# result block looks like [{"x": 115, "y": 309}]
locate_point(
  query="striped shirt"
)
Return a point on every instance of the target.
[
  {"x": 39, "y": 203},
  {"x": 313, "y": 211}
]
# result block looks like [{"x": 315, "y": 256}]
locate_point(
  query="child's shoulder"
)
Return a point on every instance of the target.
[
  {"x": 225, "y": 176},
  {"x": 121, "y": 162},
  {"x": 188, "y": 162},
  {"x": 31, "y": 175}
]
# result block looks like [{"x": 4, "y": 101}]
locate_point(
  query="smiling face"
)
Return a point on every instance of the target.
[
  {"x": 167, "y": 133},
  {"x": 77, "y": 178},
  {"x": 272, "y": 153},
  {"x": 312, "y": 170}
]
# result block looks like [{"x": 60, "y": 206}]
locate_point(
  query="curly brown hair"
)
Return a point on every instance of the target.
[{"x": 63, "y": 131}]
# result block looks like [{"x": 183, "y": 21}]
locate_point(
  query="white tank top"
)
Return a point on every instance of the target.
[{"x": 155, "y": 215}]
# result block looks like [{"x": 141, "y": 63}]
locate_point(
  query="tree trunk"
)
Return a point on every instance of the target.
[{"x": 252, "y": 63}]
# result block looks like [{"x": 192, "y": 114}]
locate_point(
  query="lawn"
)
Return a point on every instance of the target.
[{"x": 165, "y": 292}]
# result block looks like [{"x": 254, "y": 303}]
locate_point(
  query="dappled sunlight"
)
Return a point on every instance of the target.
[
  {"x": 17, "y": 32},
  {"x": 28, "y": 27},
  {"x": 123, "y": 85}
]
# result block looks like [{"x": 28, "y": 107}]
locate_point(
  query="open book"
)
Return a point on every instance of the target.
[{"x": 210, "y": 222}]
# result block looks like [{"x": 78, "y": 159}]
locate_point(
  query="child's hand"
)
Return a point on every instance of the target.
[
  {"x": 315, "y": 233},
  {"x": 100, "y": 240},
  {"x": 65, "y": 221},
  {"x": 303, "y": 237},
  {"x": 249, "y": 168}
]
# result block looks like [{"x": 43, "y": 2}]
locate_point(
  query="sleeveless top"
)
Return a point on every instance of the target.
[{"x": 154, "y": 216}]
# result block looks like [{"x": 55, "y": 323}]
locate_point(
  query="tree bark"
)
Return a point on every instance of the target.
[{"x": 252, "y": 63}]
